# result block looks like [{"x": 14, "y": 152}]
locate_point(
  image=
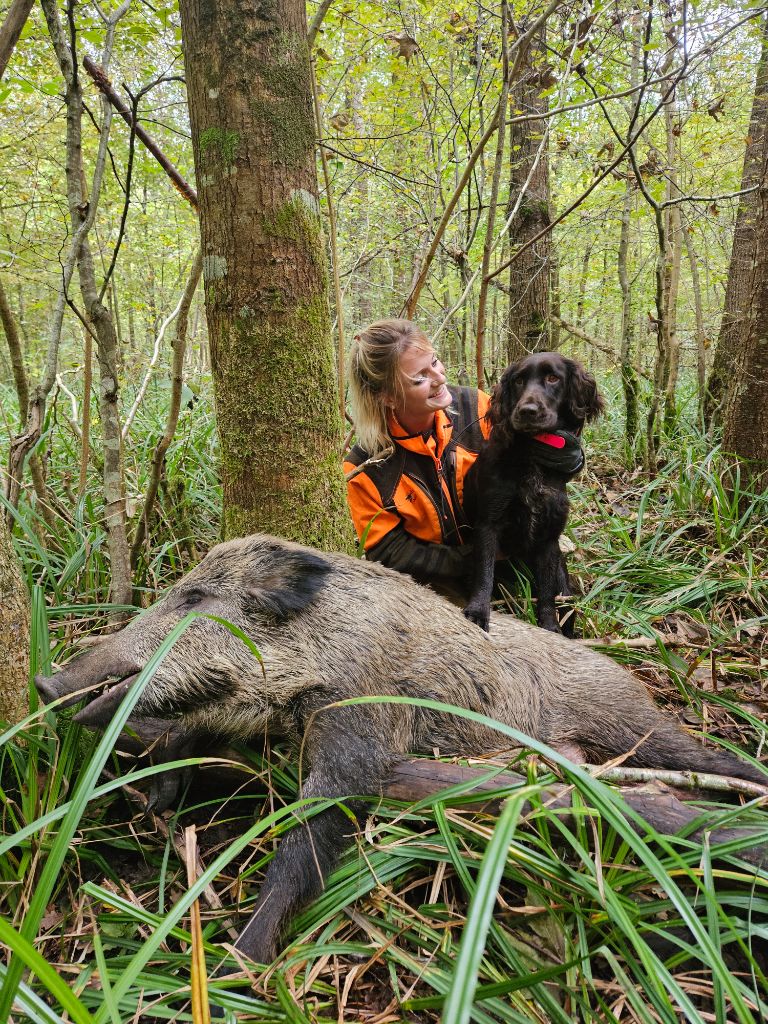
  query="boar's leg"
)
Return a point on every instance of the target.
[
  {"x": 150, "y": 739},
  {"x": 161, "y": 740},
  {"x": 346, "y": 759}
]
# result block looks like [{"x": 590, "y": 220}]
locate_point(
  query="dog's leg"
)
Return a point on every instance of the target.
[
  {"x": 478, "y": 610},
  {"x": 546, "y": 567},
  {"x": 565, "y": 590}
]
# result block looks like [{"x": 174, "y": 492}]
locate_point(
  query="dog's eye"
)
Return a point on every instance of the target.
[{"x": 552, "y": 378}]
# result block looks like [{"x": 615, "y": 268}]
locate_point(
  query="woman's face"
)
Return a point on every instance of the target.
[{"x": 423, "y": 389}]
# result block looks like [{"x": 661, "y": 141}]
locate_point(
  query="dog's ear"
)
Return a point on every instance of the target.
[
  {"x": 583, "y": 400},
  {"x": 284, "y": 581},
  {"x": 503, "y": 401}
]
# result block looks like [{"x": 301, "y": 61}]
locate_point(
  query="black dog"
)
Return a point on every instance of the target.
[{"x": 515, "y": 492}]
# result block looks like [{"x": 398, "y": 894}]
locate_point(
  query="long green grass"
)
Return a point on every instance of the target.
[{"x": 439, "y": 912}]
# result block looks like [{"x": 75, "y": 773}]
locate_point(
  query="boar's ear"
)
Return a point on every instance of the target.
[{"x": 287, "y": 584}]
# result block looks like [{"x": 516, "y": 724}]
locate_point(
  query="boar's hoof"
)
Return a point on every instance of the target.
[{"x": 164, "y": 790}]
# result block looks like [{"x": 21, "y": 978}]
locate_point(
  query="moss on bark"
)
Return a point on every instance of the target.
[
  {"x": 14, "y": 634},
  {"x": 266, "y": 279}
]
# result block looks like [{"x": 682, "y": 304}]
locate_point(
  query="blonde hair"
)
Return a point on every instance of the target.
[{"x": 375, "y": 378}]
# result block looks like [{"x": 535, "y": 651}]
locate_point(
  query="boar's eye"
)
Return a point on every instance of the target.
[{"x": 191, "y": 598}]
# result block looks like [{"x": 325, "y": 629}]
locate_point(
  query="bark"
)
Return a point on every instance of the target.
[
  {"x": 14, "y": 633},
  {"x": 738, "y": 293},
  {"x": 16, "y": 352},
  {"x": 663, "y": 274},
  {"x": 529, "y": 276},
  {"x": 85, "y": 430},
  {"x": 701, "y": 339},
  {"x": 745, "y": 428},
  {"x": 628, "y": 375},
  {"x": 582, "y": 290},
  {"x": 264, "y": 269},
  {"x": 330, "y": 203},
  {"x": 11, "y": 28}
]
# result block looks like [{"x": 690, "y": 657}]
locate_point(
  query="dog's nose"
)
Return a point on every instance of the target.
[{"x": 528, "y": 409}]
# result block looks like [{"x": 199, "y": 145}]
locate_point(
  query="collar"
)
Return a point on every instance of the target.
[
  {"x": 435, "y": 443},
  {"x": 559, "y": 451}
]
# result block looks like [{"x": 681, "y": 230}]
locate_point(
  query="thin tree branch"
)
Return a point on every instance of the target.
[
  {"x": 317, "y": 21},
  {"x": 520, "y": 46},
  {"x": 15, "y": 350},
  {"x": 126, "y": 204},
  {"x": 156, "y": 354},
  {"x": 495, "y": 181},
  {"x": 591, "y": 340},
  {"x": 105, "y": 86},
  {"x": 334, "y": 245},
  {"x": 177, "y": 379},
  {"x": 600, "y": 178}
]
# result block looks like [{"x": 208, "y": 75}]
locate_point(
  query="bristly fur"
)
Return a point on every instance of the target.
[
  {"x": 515, "y": 493},
  {"x": 357, "y": 629}
]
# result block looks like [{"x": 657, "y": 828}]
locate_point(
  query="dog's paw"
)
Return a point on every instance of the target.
[
  {"x": 552, "y": 625},
  {"x": 480, "y": 615}
]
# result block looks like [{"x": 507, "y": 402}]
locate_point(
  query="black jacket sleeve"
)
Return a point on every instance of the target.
[{"x": 427, "y": 563}]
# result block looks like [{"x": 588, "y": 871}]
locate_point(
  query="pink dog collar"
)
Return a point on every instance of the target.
[{"x": 553, "y": 440}]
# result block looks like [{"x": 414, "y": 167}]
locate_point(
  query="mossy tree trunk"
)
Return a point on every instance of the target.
[
  {"x": 14, "y": 634},
  {"x": 530, "y": 274},
  {"x": 265, "y": 269}
]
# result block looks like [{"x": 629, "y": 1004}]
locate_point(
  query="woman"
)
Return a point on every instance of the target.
[{"x": 417, "y": 437}]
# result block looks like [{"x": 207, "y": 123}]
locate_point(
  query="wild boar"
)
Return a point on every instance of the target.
[{"x": 330, "y": 627}]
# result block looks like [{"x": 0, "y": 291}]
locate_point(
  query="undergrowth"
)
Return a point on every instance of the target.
[{"x": 440, "y": 912}]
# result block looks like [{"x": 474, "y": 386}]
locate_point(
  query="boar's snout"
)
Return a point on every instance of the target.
[
  {"x": 47, "y": 688},
  {"x": 88, "y": 671}
]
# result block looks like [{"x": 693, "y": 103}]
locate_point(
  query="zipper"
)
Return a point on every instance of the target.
[{"x": 447, "y": 519}]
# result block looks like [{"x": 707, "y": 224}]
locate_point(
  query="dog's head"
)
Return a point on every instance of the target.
[{"x": 543, "y": 392}]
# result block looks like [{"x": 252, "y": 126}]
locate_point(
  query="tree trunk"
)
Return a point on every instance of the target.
[
  {"x": 701, "y": 339},
  {"x": 22, "y": 391},
  {"x": 529, "y": 276},
  {"x": 264, "y": 269},
  {"x": 81, "y": 212},
  {"x": 14, "y": 633},
  {"x": 738, "y": 294},
  {"x": 674, "y": 238},
  {"x": 745, "y": 428},
  {"x": 628, "y": 374},
  {"x": 11, "y": 28}
]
